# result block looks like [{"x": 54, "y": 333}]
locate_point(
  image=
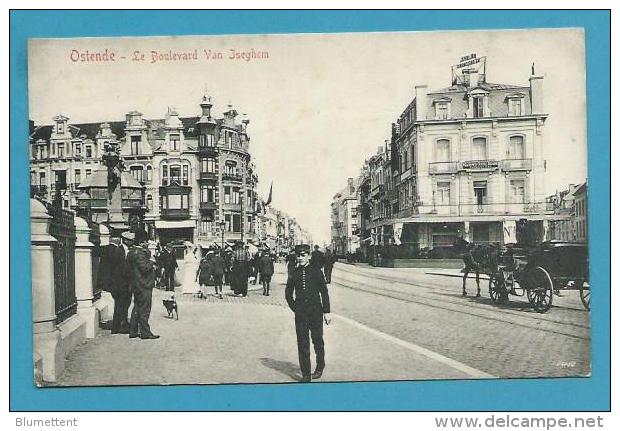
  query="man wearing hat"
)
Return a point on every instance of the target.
[
  {"x": 169, "y": 261},
  {"x": 240, "y": 269},
  {"x": 265, "y": 267},
  {"x": 113, "y": 278},
  {"x": 142, "y": 272},
  {"x": 307, "y": 296}
]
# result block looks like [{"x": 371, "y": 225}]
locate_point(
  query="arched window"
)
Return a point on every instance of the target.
[
  {"x": 442, "y": 150},
  {"x": 479, "y": 148},
  {"x": 230, "y": 167},
  {"x": 516, "y": 147},
  {"x": 149, "y": 174}
]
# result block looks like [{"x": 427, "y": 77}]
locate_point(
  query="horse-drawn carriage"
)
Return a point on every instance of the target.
[{"x": 536, "y": 272}]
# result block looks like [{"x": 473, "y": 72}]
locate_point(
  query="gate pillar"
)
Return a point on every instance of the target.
[
  {"x": 84, "y": 278},
  {"x": 48, "y": 356}
]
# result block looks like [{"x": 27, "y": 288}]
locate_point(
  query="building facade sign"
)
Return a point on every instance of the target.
[{"x": 480, "y": 164}]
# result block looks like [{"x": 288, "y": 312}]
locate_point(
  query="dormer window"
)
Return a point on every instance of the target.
[
  {"x": 515, "y": 105},
  {"x": 135, "y": 144},
  {"x": 59, "y": 128},
  {"x": 478, "y": 106},
  {"x": 442, "y": 109}
]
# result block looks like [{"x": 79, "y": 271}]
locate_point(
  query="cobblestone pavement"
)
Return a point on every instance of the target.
[
  {"x": 242, "y": 340},
  {"x": 394, "y": 325},
  {"x": 428, "y": 310}
]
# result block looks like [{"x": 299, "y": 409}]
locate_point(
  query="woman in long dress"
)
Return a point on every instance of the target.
[{"x": 190, "y": 269}]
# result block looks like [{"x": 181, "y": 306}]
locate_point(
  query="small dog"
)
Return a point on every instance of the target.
[{"x": 171, "y": 307}]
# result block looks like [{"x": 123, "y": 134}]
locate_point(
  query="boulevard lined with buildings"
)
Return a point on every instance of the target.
[
  {"x": 462, "y": 161},
  {"x": 185, "y": 178}
]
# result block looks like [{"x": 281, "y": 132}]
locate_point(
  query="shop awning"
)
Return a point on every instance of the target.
[{"x": 180, "y": 224}]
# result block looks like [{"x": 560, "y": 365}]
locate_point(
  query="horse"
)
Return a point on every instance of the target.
[{"x": 477, "y": 258}]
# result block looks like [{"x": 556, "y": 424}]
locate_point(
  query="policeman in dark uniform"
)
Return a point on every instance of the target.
[{"x": 306, "y": 294}]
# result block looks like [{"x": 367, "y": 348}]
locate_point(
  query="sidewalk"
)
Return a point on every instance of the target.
[{"x": 244, "y": 340}]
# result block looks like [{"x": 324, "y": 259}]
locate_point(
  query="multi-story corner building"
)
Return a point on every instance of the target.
[
  {"x": 570, "y": 219},
  {"x": 468, "y": 160},
  {"x": 197, "y": 172},
  {"x": 344, "y": 217}
]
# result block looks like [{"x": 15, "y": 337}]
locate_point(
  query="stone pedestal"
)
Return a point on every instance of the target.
[{"x": 84, "y": 278}]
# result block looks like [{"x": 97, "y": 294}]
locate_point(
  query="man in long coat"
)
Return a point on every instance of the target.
[
  {"x": 113, "y": 277},
  {"x": 307, "y": 296},
  {"x": 329, "y": 260},
  {"x": 142, "y": 282},
  {"x": 240, "y": 270},
  {"x": 265, "y": 267},
  {"x": 217, "y": 270},
  {"x": 169, "y": 260}
]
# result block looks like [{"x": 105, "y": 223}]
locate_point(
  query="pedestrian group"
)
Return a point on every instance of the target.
[{"x": 129, "y": 272}]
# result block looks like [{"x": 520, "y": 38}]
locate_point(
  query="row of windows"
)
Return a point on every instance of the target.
[
  {"x": 580, "y": 208},
  {"x": 60, "y": 150},
  {"x": 582, "y": 229},
  {"x": 479, "y": 149},
  {"x": 478, "y": 106},
  {"x": 516, "y": 192}
]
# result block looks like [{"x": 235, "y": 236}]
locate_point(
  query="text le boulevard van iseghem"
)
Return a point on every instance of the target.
[{"x": 170, "y": 55}]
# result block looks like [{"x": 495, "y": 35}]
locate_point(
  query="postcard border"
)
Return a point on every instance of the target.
[{"x": 567, "y": 394}]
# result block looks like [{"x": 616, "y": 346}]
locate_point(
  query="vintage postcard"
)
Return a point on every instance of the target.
[{"x": 309, "y": 208}]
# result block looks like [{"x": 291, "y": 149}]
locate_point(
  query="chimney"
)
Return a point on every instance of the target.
[
  {"x": 420, "y": 102},
  {"x": 536, "y": 94},
  {"x": 474, "y": 78},
  {"x": 206, "y": 106},
  {"x": 379, "y": 150},
  {"x": 350, "y": 183}
]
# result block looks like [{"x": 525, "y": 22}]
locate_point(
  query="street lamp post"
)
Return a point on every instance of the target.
[{"x": 222, "y": 226}]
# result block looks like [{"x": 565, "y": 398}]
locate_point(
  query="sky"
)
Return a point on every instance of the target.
[{"x": 318, "y": 104}]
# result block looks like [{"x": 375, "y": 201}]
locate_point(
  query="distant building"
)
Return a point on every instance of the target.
[
  {"x": 344, "y": 219},
  {"x": 570, "y": 221}
]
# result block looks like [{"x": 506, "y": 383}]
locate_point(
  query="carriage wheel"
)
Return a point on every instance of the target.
[
  {"x": 584, "y": 294},
  {"x": 497, "y": 290},
  {"x": 540, "y": 289}
]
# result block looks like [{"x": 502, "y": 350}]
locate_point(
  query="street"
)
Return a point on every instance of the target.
[{"x": 387, "y": 324}]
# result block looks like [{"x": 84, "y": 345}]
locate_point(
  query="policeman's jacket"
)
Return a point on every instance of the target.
[{"x": 306, "y": 290}]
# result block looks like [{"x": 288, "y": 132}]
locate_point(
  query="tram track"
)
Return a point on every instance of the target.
[
  {"x": 580, "y": 332},
  {"x": 433, "y": 288}
]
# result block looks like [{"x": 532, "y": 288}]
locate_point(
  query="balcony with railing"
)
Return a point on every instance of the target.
[
  {"x": 175, "y": 213},
  {"x": 496, "y": 208},
  {"x": 208, "y": 205},
  {"x": 443, "y": 167},
  {"x": 208, "y": 176},
  {"x": 208, "y": 151},
  {"x": 232, "y": 177},
  {"x": 517, "y": 164}
]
